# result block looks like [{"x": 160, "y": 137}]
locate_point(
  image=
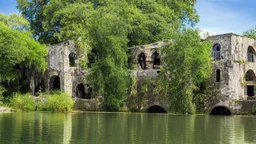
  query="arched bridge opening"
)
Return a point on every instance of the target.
[
  {"x": 156, "y": 109},
  {"x": 220, "y": 110}
]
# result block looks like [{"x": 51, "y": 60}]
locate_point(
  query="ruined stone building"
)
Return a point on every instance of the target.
[
  {"x": 233, "y": 62},
  {"x": 234, "y": 71},
  {"x": 64, "y": 72}
]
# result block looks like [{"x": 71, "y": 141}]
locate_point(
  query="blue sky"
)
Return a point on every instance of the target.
[{"x": 216, "y": 16}]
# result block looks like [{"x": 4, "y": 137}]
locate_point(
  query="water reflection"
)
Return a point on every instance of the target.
[{"x": 116, "y": 128}]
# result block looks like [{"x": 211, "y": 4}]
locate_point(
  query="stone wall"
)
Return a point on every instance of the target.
[
  {"x": 148, "y": 50},
  {"x": 233, "y": 66}
]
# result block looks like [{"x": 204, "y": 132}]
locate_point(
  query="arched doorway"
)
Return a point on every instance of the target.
[
  {"x": 216, "y": 51},
  {"x": 84, "y": 92},
  {"x": 250, "y": 54},
  {"x": 220, "y": 110},
  {"x": 142, "y": 60},
  {"x": 80, "y": 91},
  {"x": 156, "y": 60},
  {"x": 156, "y": 109},
  {"x": 249, "y": 88},
  {"x": 55, "y": 83}
]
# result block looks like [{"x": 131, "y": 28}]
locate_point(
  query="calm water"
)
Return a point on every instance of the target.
[{"x": 123, "y": 128}]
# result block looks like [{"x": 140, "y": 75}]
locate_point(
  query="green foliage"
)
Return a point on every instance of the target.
[
  {"x": 2, "y": 90},
  {"x": 186, "y": 64},
  {"x": 139, "y": 92},
  {"x": 206, "y": 94},
  {"x": 22, "y": 102},
  {"x": 17, "y": 46},
  {"x": 56, "y": 102},
  {"x": 239, "y": 61},
  {"x": 107, "y": 28},
  {"x": 251, "y": 33},
  {"x": 253, "y": 111}
]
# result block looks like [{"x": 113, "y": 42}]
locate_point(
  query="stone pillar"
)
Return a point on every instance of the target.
[{"x": 67, "y": 83}]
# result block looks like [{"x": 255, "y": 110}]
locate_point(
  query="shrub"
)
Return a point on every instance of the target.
[
  {"x": 22, "y": 102},
  {"x": 2, "y": 90},
  {"x": 56, "y": 101}
]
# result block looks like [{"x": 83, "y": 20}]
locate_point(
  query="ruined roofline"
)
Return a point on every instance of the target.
[
  {"x": 68, "y": 42},
  {"x": 228, "y": 34},
  {"x": 152, "y": 45}
]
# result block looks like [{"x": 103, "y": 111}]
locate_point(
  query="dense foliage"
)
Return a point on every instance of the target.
[
  {"x": 250, "y": 33},
  {"x": 105, "y": 29},
  {"x": 55, "y": 101},
  {"x": 22, "y": 102},
  {"x": 18, "y": 47},
  {"x": 186, "y": 65}
]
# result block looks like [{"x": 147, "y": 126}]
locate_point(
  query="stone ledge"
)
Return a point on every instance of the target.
[{"x": 2, "y": 109}]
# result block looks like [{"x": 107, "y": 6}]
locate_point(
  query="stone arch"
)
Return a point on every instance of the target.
[
  {"x": 220, "y": 110},
  {"x": 80, "y": 91},
  {"x": 216, "y": 51},
  {"x": 142, "y": 60},
  {"x": 84, "y": 91},
  {"x": 72, "y": 59},
  {"x": 250, "y": 54},
  {"x": 55, "y": 83},
  {"x": 250, "y": 75},
  {"x": 156, "y": 109},
  {"x": 156, "y": 60},
  {"x": 218, "y": 75}
]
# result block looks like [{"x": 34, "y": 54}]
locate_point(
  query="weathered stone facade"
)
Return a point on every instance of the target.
[
  {"x": 233, "y": 72},
  {"x": 64, "y": 72}
]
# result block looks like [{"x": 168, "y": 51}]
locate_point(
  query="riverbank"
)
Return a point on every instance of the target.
[{"x": 3, "y": 109}]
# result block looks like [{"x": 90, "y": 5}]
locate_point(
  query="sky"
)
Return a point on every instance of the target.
[{"x": 216, "y": 16}]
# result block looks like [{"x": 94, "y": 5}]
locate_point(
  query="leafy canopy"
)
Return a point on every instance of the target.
[
  {"x": 17, "y": 46},
  {"x": 187, "y": 62},
  {"x": 106, "y": 28},
  {"x": 250, "y": 33}
]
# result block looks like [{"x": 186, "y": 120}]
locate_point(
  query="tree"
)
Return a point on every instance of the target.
[
  {"x": 32, "y": 10},
  {"x": 187, "y": 62},
  {"x": 107, "y": 28},
  {"x": 18, "y": 49},
  {"x": 250, "y": 33}
]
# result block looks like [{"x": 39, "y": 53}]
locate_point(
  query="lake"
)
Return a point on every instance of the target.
[{"x": 125, "y": 128}]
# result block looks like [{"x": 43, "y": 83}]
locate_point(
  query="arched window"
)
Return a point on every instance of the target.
[
  {"x": 142, "y": 60},
  {"x": 217, "y": 75},
  {"x": 250, "y": 54},
  {"x": 156, "y": 60},
  {"x": 216, "y": 51},
  {"x": 250, "y": 76},
  {"x": 55, "y": 83},
  {"x": 72, "y": 58}
]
